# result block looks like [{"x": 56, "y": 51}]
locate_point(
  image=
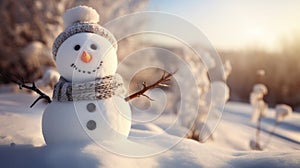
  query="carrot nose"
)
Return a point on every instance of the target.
[{"x": 86, "y": 57}]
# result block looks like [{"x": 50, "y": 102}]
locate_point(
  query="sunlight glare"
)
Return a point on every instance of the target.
[{"x": 259, "y": 36}]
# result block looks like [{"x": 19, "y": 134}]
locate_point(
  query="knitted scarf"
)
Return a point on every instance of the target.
[{"x": 98, "y": 89}]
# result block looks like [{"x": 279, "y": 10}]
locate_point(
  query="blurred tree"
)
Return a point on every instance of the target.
[
  {"x": 29, "y": 27},
  {"x": 282, "y": 72}
]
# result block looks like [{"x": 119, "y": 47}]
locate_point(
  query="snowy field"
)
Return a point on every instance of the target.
[{"x": 22, "y": 144}]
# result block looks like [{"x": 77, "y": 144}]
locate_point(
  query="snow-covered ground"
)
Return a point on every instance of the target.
[{"x": 22, "y": 144}]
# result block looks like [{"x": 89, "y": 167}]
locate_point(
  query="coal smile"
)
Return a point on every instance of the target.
[{"x": 84, "y": 71}]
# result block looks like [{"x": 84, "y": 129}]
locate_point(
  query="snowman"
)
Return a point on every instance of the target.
[{"x": 88, "y": 101}]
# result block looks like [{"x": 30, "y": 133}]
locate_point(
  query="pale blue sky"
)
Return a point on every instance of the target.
[{"x": 238, "y": 23}]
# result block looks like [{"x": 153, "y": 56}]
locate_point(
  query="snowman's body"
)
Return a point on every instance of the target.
[
  {"x": 84, "y": 57},
  {"x": 79, "y": 122}
]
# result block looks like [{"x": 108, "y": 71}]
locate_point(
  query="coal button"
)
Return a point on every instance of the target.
[
  {"x": 91, "y": 107},
  {"x": 91, "y": 125}
]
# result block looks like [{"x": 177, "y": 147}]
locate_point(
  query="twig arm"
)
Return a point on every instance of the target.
[
  {"x": 21, "y": 84},
  {"x": 165, "y": 77},
  {"x": 37, "y": 90}
]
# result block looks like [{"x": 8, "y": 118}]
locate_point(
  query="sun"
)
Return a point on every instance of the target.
[{"x": 260, "y": 36}]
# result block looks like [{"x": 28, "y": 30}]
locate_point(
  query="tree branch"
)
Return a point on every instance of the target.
[
  {"x": 37, "y": 90},
  {"x": 21, "y": 84},
  {"x": 165, "y": 77}
]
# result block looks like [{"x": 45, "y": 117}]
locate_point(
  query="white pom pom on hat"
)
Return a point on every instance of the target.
[
  {"x": 82, "y": 19},
  {"x": 82, "y": 14}
]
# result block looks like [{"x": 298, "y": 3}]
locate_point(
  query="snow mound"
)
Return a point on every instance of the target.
[{"x": 22, "y": 145}]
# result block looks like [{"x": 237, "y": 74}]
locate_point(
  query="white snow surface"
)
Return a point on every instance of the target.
[{"x": 22, "y": 143}]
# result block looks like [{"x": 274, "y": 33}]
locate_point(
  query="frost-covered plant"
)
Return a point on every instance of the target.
[
  {"x": 257, "y": 102},
  {"x": 227, "y": 69},
  {"x": 50, "y": 78},
  {"x": 27, "y": 22},
  {"x": 261, "y": 73},
  {"x": 259, "y": 111},
  {"x": 259, "y": 108},
  {"x": 200, "y": 71},
  {"x": 216, "y": 96},
  {"x": 282, "y": 111},
  {"x": 209, "y": 100}
]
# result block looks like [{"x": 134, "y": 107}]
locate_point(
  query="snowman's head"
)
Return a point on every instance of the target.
[
  {"x": 84, "y": 50},
  {"x": 85, "y": 56}
]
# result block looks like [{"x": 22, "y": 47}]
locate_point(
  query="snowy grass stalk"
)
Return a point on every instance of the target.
[
  {"x": 259, "y": 108},
  {"x": 271, "y": 133},
  {"x": 257, "y": 145},
  {"x": 282, "y": 111},
  {"x": 194, "y": 133}
]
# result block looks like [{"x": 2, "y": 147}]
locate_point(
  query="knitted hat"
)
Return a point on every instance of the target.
[{"x": 82, "y": 19}]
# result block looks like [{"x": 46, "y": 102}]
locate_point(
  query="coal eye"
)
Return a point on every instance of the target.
[
  {"x": 77, "y": 47},
  {"x": 94, "y": 47}
]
